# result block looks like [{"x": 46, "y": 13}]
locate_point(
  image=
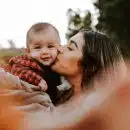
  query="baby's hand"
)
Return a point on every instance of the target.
[{"x": 43, "y": 85}]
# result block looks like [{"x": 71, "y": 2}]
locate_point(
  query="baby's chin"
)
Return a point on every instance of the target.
[{"x": 46, "y": 63}]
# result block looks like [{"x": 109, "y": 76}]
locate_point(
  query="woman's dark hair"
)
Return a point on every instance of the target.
[{"x": 99, "y": 52}]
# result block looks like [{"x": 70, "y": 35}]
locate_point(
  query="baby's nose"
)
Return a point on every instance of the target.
[{"x": 45, "y": 50}]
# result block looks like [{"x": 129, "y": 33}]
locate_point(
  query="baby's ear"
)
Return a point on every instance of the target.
[
  {"x": 27, "y": 51},
  {"x": 60, "y": 49}
]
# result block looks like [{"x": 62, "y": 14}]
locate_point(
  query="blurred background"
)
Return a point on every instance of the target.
[{"x": 69, "y": 16}]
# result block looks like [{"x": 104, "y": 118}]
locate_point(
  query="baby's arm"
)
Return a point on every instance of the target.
[
  {"x": 28, "y": 75},
  {"x": 43, "y": 85}
]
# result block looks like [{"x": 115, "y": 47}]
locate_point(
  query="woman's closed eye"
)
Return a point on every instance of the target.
[{"x": 70, "y": 48}]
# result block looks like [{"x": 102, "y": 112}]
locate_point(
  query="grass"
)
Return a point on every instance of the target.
[{"x": 6, "y": 54}]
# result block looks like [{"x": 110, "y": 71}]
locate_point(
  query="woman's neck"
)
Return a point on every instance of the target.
[{"x": 76, "y": 82}]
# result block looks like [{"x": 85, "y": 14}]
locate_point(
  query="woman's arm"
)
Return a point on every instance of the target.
[{"x": 12, "y": 86}]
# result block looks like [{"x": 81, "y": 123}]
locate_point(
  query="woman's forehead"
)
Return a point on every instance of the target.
[{"x": 78, "y": 39}]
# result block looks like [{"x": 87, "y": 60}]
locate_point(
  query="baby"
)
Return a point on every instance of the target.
[{"x": 42, "y": 41}]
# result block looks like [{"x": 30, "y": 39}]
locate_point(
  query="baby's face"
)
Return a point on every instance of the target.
[{"x": 43, "y": 46}]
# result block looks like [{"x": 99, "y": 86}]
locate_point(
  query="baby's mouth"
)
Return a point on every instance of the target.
[{"x": 45, "y": 58}]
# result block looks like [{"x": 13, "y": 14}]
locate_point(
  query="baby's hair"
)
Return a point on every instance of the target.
[{"x": 37, "y": 28}]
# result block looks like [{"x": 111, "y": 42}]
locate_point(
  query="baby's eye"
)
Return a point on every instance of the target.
[
  {"x": 37, "y": 47},
  {"x": 51, "y": 46}
]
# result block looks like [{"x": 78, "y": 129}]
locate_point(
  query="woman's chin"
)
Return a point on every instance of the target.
[
  {"x": 54, "y": 66},
  {"x": 57, "y": 68}
]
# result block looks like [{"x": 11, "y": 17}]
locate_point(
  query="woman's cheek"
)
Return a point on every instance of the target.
[
  {"x": 75, "y": 63},
  {"x": 74, "y": 59}
]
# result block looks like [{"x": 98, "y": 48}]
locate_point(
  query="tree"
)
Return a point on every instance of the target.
[
  {"x": 114, "y": 19},
  {"x": 77, "y": 20},
  {"x": 12, "y": 44}
]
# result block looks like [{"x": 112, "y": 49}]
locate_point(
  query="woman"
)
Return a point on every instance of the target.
[{"x": 86, "y": 54}]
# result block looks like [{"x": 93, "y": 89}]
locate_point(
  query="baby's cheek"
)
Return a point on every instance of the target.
[
  {"x": 34, "y": 54},
  {"x": 54, "y": 53}
]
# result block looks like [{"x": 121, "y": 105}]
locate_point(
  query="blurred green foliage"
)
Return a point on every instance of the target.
[
  {"x": 77, "y": 20},
  {"x": 114, "y": 20}
]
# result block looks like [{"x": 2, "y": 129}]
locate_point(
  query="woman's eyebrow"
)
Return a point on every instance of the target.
[{"x": 73, "y": 42}]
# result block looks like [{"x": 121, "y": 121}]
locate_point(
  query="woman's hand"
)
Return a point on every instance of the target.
[
  {"x": 12, "y": 87},
  {"x": 29, "y": 101}
]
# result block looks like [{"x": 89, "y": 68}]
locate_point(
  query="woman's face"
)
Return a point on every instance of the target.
[{"x": 68, "y": 62}]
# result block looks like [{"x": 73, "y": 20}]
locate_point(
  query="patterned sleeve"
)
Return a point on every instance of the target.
[{"x": 26, "y": 74}]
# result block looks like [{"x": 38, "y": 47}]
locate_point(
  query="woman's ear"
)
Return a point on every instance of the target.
[
  {"x": 93, "y": 62},
  {"x": 80, "y": 66},
  {"x": 91, "y": 66}
]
